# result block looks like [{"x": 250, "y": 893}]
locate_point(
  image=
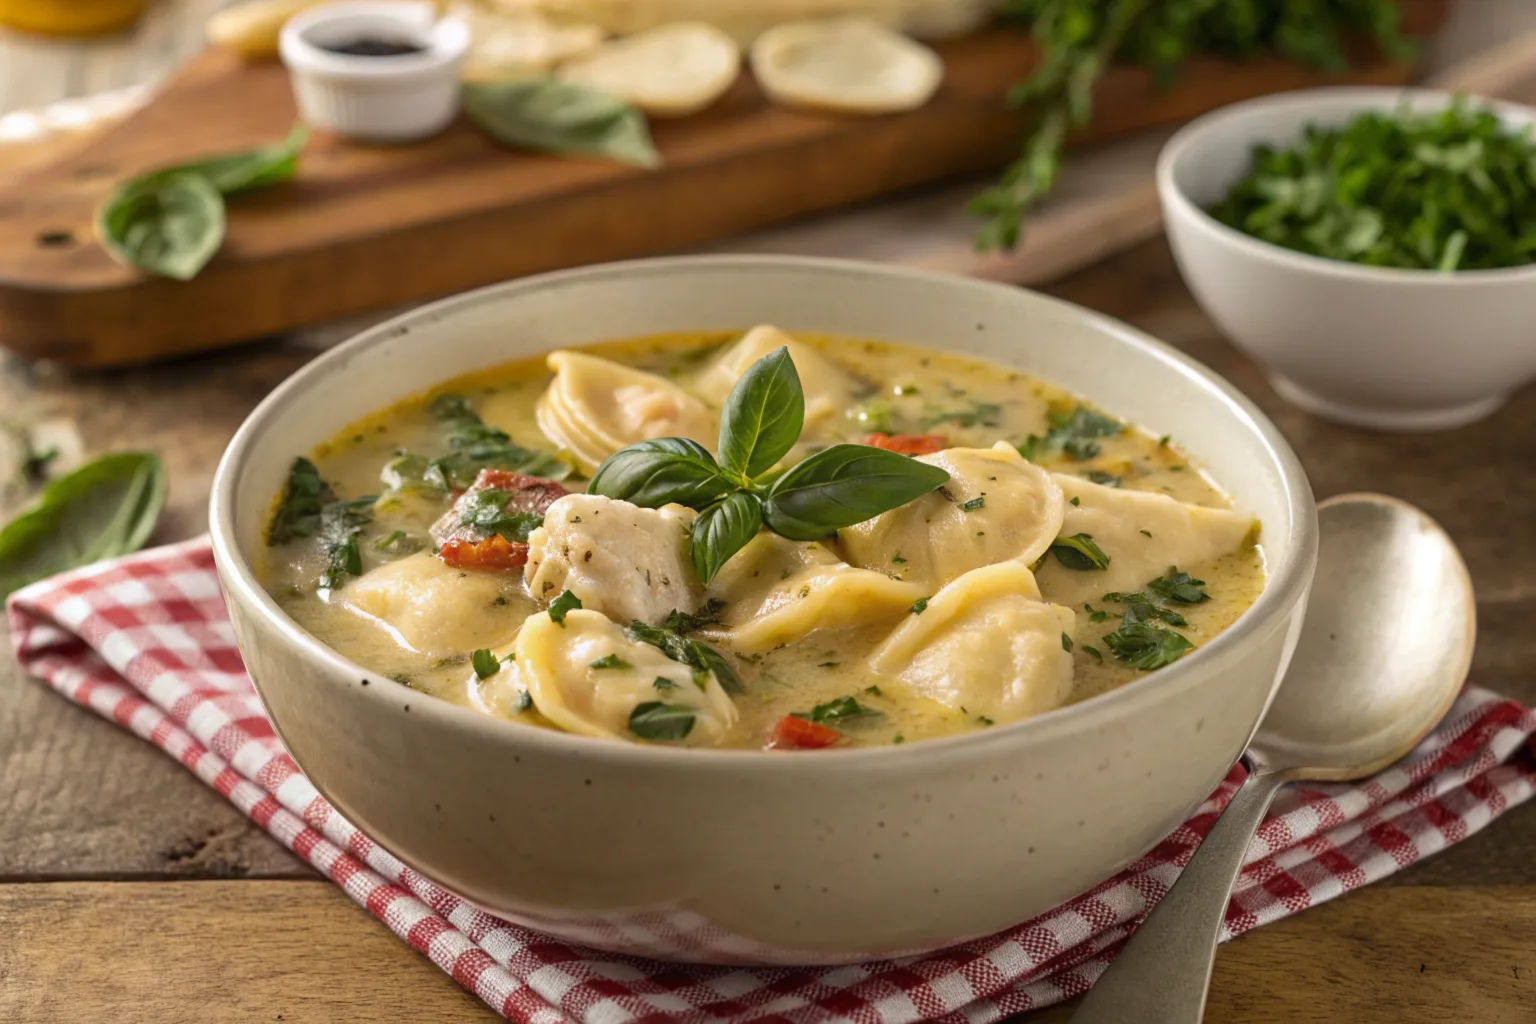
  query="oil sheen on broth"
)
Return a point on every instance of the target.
[{"x": 1178, "y": 571}]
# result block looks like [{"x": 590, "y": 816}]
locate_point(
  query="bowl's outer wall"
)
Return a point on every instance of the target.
[
  {"x": 1392, "y": 341},
  {"x": 788, "y": 858}
]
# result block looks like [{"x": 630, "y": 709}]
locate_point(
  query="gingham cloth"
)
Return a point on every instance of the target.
[{"x": 145, "y": 641}]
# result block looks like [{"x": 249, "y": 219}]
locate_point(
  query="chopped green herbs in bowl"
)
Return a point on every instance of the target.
[{"x": 1445, "y": 190}]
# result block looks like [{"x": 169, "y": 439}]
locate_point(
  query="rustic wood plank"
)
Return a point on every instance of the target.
[
  {"x": 234, "y": 952},
  {"x": 301, "y": 952}
]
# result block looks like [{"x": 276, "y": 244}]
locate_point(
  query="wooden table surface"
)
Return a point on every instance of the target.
[{"x": 130, "y": 891}]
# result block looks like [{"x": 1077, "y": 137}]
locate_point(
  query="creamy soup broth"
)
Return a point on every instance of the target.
[{"x": 425, "y": 632}]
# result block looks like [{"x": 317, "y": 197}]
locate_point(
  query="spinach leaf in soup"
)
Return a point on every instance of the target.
[
  {"x": 298, "y": 510},
  {"x": 341, "y": 523},
  {"x": 473, "y": 445},
  {"x": 104, "y": 509},
  {"x": 1073, "y": 433}
]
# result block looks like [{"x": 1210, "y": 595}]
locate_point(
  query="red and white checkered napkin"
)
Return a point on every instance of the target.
[{"x": 145, "y": 641}]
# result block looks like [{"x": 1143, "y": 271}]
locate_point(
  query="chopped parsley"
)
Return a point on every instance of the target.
[
  {"x": 1098, "y": 476},
  {"x": 1066, "y": 643},
  {"x": 485, "y": 662},
  {"x": 1179, "y": 586},
  {"x": 841, "y": 709},
  {"x": 486, "y": 514},
  {"x": 1075, "y": 501},
  {"x": 873, "y": 691},
  {"x": 1093, "y": 651},
  {"x": 1079, "y": 552},
  {"x": 341, "y": 522},
  {"x": 566, "y": 602},
  {"x": 1073, "y": 434},
  {"x": 682, "y": 622},
  {"x": 663, "y": 683},
  {"x": 1146, "y": 647},
  {"x": 399, "y": 543},
  {"x": 1095, "y": 614},
  {"x": 979, "y": 414},
  {"x": 829, "y": 664},
  {"x": 975, "y": 503},
  {"x": 610, "y": 661},
  {"x": 476, "y": 445},
  {"x": 984, "y": 720},
  {"x": 919, "y": 606},
  {"x": 687, "y": 651},
  {"x": 656, "y": 721}
]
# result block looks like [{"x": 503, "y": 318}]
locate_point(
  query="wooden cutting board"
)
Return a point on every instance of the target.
[{"x": 364, "y": 227}]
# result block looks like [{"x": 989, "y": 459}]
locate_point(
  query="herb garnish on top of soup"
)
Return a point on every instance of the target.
[{"x": 757, "y": 540}]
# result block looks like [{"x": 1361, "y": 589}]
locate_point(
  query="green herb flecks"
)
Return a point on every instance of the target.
[
  {"x": 170, "y": 221},
  {"x": 1079, "y": 552},
  {"x": 1179, "y": 586},
  {"x": 982, "y": 414},
  {"x": 298, "y": 510},
  {"x": 475, "y": 445},
  {"x": 1452, "y": 189},
  {"x": 1146, "y": 647},
  {"x": 341, "y": 523},
  {"x": 660, "y": 722},
  {"x": 839, "y": 711},
  {"x": 687, "y": 622},
  {"x": 687, "y": 651},
  {"x": 485, "y": 663},
  {"x": 1081, "y": 40},
  {"x": 919, "y": 606},
  {"x": 101, "y": 510},
  {"x": 1073, "y": 434},
  {"x": 561, "y": 117},
  {"x": 566, "y": 602},
  {"x": 486, "y": 514},
  {"x": 834, "y": 488},
  {"x": 609, "y": 661},
  {"x": 400, "y": 543}
]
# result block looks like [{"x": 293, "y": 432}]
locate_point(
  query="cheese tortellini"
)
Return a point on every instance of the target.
[
  {"x": 987, "y": 643},
  {"x": 1142, "y": 532},
  {"x": 587, "y": 677},
  {"x": 996, "y": 506},
  {"x": 425, "y": 606},
  {"x": 776, "y": 591},
  {"x": 828, "y": 387},
  {"x": 595, "y": 406},
  {"x": 629, "y": 563}
]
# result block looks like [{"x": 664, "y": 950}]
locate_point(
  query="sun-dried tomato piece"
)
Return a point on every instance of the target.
[
  {"x": 908, "y": 444},
  {"x": 511, "y": 502},
  {"x": 792, "y": 733},
  {"x": 495, "y": 552}
]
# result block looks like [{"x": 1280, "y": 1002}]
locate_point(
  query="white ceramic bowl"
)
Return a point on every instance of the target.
[
  {"x": 1384, "y": 348},
  {"x": 746, "y": 855},
  {"x": 377, "y": 99}
]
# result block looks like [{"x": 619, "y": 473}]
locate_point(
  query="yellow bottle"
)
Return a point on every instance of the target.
[{"x": 71, "y": 17}]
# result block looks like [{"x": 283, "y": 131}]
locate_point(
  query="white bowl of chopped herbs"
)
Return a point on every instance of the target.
[{"x": 1374, "y": 248}]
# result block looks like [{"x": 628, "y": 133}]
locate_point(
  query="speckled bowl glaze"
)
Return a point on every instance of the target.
[{"x": 745, "y": 856}]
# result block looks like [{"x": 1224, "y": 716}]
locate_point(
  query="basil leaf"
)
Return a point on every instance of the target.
[
  {"x": 169, "y": 225},
  {"x": 257, "y": 168},
  {"x": 104, "y": 509},
  {"x": 561, "y": 117},
  {"x": 341, "y": 522},
  {"x": 722, "y": 530},
  {"x": 763, "y": 416},
  {"x": 298, "y": 510},
  {"x": 1079, "y": 552},
  {"x": 844, "y": 485},
  {"x": 656, "y": 473},
  {"x": 654, "y": 720}
]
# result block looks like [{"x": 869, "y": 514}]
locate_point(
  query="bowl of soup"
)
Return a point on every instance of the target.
[{"x": 762, "y": 609}]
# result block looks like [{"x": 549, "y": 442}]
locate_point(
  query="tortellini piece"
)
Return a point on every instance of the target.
[
  {"x": 828, "y": 387},
  {"x": 988, "y": 644},
  {"x": 595, "y": 406},
  {"x": 587, "y": 677},
  {"x": 1142, "y": 532},
  {"x": 996, "y": 506},
  {"x": 627, "y": 562},
  {"x": 776, "y": 591},
  {"x": 430, "y": 608}
]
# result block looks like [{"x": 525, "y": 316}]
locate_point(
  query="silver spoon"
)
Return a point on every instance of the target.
[{"x": 1385, "y": 648}]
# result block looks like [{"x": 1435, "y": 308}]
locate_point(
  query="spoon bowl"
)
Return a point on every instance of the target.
[
  {"x": 1400, "y": 621},
  {"x": 1384, "y": 650}
]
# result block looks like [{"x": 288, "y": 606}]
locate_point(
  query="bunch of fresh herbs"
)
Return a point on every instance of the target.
[
  {"x": 1079, "y": 40},
  {"x": 739, "y": 495},
  {"x": 1452, "y": 189}
]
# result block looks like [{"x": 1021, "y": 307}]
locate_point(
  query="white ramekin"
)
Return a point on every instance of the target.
[
  {"x": 378, "y": 99},
  {"x": 1389, "y": 349}
]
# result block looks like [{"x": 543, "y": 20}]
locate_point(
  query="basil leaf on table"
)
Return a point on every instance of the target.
[
  {"x": 660, "y": 472},
  {"x": 104, "y": 509},
  {"x": 562, "y": 117},
  {"x": 763, "y": 416},
  {"x": 169, "y": 225},
  {"x": 842, "y": 486},
  {"x": 170, "y": 221},
  {"x": 722, "y": 530}
]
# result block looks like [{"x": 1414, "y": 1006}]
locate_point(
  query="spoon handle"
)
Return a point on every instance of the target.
[{"x": 1162, "y": 975}]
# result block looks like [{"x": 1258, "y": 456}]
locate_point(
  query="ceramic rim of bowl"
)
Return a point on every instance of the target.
[
  {"x": 1287, "y": 584},
  {"x": 1368, "y": 97}
]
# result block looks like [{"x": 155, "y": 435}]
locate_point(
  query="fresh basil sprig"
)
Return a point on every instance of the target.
[
  {"x": 103, "y": 509},
  {"x": 562, "y": 117},
  {"x": 838, "y": 487},
  {"x": 170, "y": 221}
]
